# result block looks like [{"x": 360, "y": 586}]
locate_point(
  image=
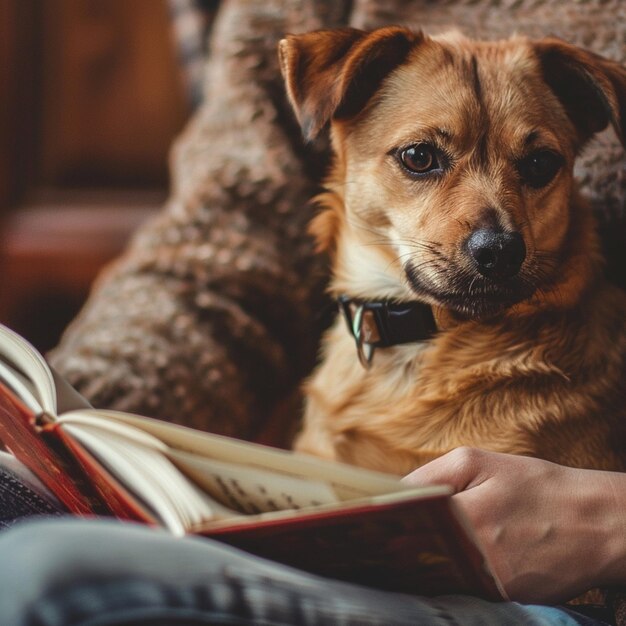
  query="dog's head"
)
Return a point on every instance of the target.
[{"x": 452, "y": 180}]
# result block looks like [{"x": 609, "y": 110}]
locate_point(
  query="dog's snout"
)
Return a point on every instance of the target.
[{"x": 496, "y": 254}]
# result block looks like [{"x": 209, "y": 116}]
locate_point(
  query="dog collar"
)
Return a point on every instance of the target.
[{"x": 383, "y": 324}]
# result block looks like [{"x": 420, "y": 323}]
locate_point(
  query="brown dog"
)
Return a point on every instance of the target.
[{"x": 461, "y": 248}]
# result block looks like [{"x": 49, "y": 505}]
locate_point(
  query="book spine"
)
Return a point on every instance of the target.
[
  {"x": 22, "y": 437},
  {"x": 119, "y": 502}
]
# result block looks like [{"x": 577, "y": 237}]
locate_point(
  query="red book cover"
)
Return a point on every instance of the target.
[{"x": 410, "y": 546}]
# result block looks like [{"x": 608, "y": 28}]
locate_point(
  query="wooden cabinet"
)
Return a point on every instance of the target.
[{"x": 92, "y": 97}]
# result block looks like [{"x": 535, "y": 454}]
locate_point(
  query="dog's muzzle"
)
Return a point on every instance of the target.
[{"x": 496, "y": 254}]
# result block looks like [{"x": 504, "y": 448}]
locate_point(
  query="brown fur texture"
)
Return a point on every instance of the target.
[
  {"x": 532, "y": 365},
  {"x": 213, "y": 313}
]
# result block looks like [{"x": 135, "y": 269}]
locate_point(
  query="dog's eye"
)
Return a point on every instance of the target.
[
  {"x": 539, "y": 168},
  {"x": 420, "y": 159}
]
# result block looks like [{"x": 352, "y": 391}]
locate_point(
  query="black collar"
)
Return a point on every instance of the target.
[{"x": 383, "y": 324}]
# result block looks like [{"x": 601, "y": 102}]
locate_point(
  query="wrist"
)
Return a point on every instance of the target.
[{"x": 611, "y": 528}]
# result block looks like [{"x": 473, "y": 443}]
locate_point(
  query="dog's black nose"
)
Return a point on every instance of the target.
[{"x": 496, "y": 254}]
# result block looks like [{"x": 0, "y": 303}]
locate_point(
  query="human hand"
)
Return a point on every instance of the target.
[{"x": 550, "y": 532}]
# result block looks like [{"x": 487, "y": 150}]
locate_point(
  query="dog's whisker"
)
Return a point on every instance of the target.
[
  {"x": 398, "y": 260},
  {"x": 367, "y": 229},
  {"x": 471, "y": 285}
]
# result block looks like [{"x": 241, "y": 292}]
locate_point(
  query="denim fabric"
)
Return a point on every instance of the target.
[
  {"x": 21, "y": 494},
  {"x": 71, "y": 572}
]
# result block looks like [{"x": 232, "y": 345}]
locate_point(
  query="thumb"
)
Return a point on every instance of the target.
[{"x": 461, "y": 469}]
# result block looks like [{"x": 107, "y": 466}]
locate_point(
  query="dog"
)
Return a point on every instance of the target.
[{"x": 467, "y": 264}]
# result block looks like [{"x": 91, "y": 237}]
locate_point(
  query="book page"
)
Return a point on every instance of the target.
[
  {"x": 20, "y": 355},
  {"x": 68, "y": 399},
  {"x": 186, "y": 491},
  {"x": 347, "y": 482},
  {"x": 142, "y": 468},
  {"x": 251, "y": 490},
  {"x": 242, "y": 489},
  {"x": 21, "y": 386}
]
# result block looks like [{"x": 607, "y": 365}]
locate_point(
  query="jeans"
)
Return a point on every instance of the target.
[
  {"x": 21, "y": 493},
  {"x": 71, "y": 572}
]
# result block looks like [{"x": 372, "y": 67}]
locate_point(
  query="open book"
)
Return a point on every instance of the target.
[{"x": 327, "y": 518}]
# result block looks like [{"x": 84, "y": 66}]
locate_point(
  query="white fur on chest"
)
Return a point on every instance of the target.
[{"x": 362, "y": 270}]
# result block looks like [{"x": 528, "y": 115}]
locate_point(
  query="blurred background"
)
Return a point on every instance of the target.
[{"x": 92, "y": 94}]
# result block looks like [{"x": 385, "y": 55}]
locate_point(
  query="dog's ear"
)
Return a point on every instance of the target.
[
  {"x": 591, "y": 88},
  {"x": 333, "y": 73}
]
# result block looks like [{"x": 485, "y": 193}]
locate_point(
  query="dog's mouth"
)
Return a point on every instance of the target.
[{"x": 470, "y": 294}]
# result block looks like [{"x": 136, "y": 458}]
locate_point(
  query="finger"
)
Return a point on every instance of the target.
[{"x": 462, "y": 468}]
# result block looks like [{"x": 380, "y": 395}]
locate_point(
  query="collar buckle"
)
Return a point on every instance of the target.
[
  {"x": 383, "y": 324},
  {"x": 364, "y": 347}
]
